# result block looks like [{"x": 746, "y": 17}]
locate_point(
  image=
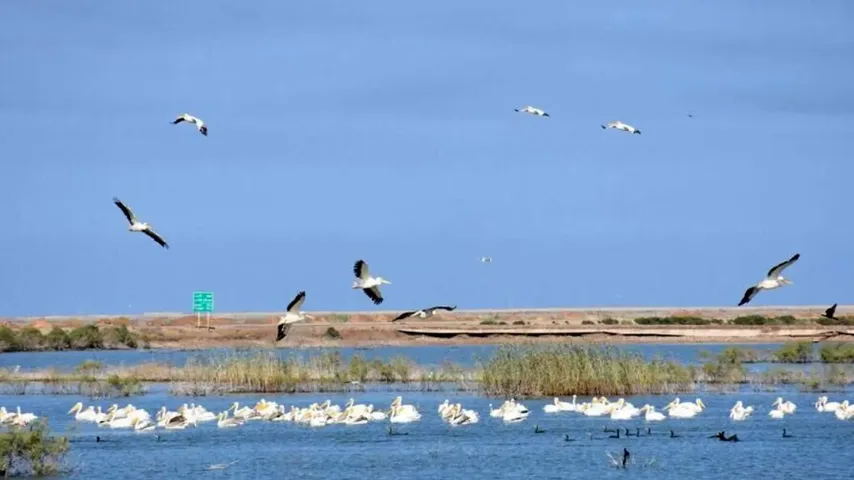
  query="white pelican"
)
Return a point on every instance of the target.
[
  {"x": 141, "y": 424},
  {"x": 785, "y": 407},
  {"x": 822, "y": 405},
  {"x": 621, "y": 411},
  {"x": 739, "y": 412},
  {"x": 292, "y": 315},
  {"x": 773, "y": 280},
  {"x": 684, "y": 410},
  {"x": 87, "y": 415},
  {"x": 186, "y": 117},
  {"x": 845, "y": 411},
  {"x": 651, "y": 414},
  {"x": 404, "y": 410},
  {"x": 370, "y": 285},
  {"x": 532, "y": 110},
  {"x": 485, "y": 259},
  {"x": 136, "y": 226},
  {"x": 618, "y": 125},
  {"x": 424, "y": 312},
  {"x": 223, "y": 420},
  {"x": 555, "y": 407}
]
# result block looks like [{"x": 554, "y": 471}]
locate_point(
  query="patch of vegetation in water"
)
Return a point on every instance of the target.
[{"x": 31, "y": 451}]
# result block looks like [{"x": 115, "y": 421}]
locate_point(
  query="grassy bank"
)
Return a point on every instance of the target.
[
  {"x": 556, "y": 370},
  {"x": 796, "y": 352}
]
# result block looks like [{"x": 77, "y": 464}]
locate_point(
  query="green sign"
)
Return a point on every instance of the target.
[{"x": 202, "y": 302}]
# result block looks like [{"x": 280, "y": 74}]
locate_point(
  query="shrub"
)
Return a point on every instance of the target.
[
  {"x": 57, "y": 339},
  {"x": 588, "y": 322},
  {"x": 609, "y": 321},
  {"x": 520, "y": 322},
  {"x": 87, "y": 337},
  {"x": 332, "y": 334},
  {"x": 677, "y": 320},
  {"x": 119, "y": 336},
  {"x": 30, "y": 451},
  {"x": 795, "y": 352},
  {"x": 30, "y": 339},
  {"x": 358, "y": 369},
  {"x": 8, "y": 340},
  {"x": 837, "y": 353}
]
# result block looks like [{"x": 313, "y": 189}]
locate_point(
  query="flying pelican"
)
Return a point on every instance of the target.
[
  {"x": 485, "y": 259},
  {"x": 370, "y": 285},
  {"x": 292, "y": 315},
  {"x": 532, "y": 110},
  {"x": 136, "y": 226},
  {"x": 830, "y": 312},
  {"x": 772, "y": 281},
  {"x": 618, "y": 125},
  {"x": 186, "y": 117},
  {"x": 424, "y": 313}
]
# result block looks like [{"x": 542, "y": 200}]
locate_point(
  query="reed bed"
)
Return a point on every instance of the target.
[{"x": 583, "y": 370}]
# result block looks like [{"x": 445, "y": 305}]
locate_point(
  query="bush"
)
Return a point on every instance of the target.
[
  {"x": 8, "y": 340},
  {"x": 753, "y": 320},
  {"x": 835, "y": 321},
  {"x": 30, "y": 339},
  {"x": 57, "y": 339},
  {"x": 519, "y": 322},
  {"x": 837, "y": 353},
  {"x": 677, "y": 320},
  {"x": 119, "y": 336},
  {"x": 358, "y": 369},
  {"x": 609, "y": 321},
  {"x": 795, "y": 352},
  {"x": 588, "y": 322},
  {"x": 30, "y": 451},
  {"x": 87, "y": 337},
  {"x": 332, "y": 334}
]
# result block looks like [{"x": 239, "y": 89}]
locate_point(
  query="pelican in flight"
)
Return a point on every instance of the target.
[
  {"x": 136, "y": 226},
  {"x": 370, "y": 285},
  {"x": 618, "y": 125},
  {"x": 532, "y": 110},
  {"x": 830, "y": 312},
  {"x": 485, "y": 259},
  {"x": 186, "y": 117},
  {"x": 773, "y": 280},
  {"x": 424, "y": 313},
  {"x": 292, "y": 315}
]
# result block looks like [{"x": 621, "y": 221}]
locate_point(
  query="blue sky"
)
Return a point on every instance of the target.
[{"x": 385, "y": 131}]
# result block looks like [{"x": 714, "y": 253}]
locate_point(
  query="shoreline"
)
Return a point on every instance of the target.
[{"x": 467, "y": 327}]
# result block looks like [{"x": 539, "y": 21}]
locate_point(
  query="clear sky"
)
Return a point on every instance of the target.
[{"x": 385, "y": 130}]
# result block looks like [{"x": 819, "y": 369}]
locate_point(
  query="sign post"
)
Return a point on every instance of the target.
[{"x": 203, "y": 302}]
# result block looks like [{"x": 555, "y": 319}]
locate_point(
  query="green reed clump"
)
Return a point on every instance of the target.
[
  {"x": 795, "y": 352},
  {"x": 582, "y": 370},
  {"x": 753, "y": 320},
  {"x": 835, "y": 352},
  {"x": 727, "y": 368},
  {"x": 31, "y": 451},
  {"x": 675, "y": 320}
]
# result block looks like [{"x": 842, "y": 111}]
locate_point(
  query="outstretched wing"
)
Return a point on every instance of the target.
[
  {"x": 180, "y": 119},
  {"x": 404, "y": 315},
  {"x": 360, "y": 269},
  {"x": 297, "y": 302},
  {"x": 443, "y": 307},
  {"x": 830, "y": 311},
  {"x": 204, "y": 130},
  {"x": 776, "y": 270},
  {"x": 282, "y": 330},
  {"x": 748, "y": 295},
  {"x": 374, "y": 294},
  {"x": 157, "y": 238},
  {"x": 124, "y": 209}
]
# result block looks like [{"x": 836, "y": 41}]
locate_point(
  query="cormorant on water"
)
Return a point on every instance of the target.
[
  {"x": 626, "y": 456},
  {"x": 786, "y": 435},
  {"x": 630, "y": 434},
  {"x": 390, "y": 432},
  {"x": 567, "y": 439},
  {"x": 673, "y": 434},
  {"x": 722, "y": 437},
  {"x": 608, "y": 430},
  {"x": 97, "y": 438},
  {"x": 615, "y": 436}
]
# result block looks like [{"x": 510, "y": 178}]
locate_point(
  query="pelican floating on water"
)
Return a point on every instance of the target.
[
  {"x": 424, "y": 312},
  {"x": 292, "y": 315},
  {"x": 739, "y": 412},
  {"x": 532, "y": 110},
  {"x": 773, "y": 280},
  {"x": 370, "y": 285},
  {"x": 618, "y": 125},
  {"x": 186, "y": 117},
  {"x": 651, "y": 414}
]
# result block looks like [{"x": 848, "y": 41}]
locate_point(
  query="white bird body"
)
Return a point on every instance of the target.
[
  {"x": 774, "y": 279},
  {"x": 822, "y": 405},
  {"x": 367, "y": 283},
  {"x": 776, "y": 413},
  {"x": 651, "y": 414},
  {"x": 186, "y": 117},
  {"x": 739, "y": 412},
  {"x": 532, "y": 110},
  {"x": 137, "y": 226},
  {"x": 88, "y": 415},
  {"x": 844, "y": 411},
  {"x": 292, "y": 314},
  {"x": 786, "y": 407},
  {"x": 618, "y": 125}
]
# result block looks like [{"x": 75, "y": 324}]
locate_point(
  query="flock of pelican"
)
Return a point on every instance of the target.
[
  {"x": 624, "y": 410},
  {"x": 16, "y": 418}
]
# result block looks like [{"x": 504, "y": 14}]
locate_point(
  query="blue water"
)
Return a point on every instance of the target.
[
  {"x": 465, "y": 355},
  {"x": 432, "y": 449}
]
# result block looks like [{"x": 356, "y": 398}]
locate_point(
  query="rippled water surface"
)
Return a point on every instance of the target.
[{"x": 431, "y": 449}]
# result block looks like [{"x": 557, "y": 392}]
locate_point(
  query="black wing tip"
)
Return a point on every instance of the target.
[{"x": 795, "y": 257}]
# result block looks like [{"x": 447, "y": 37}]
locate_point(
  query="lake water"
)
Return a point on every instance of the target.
[
  {"x": 486, "y": 450},
  {"x": 432, "y": 449}
]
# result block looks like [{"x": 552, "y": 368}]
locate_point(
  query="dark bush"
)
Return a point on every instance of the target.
[
  {"x": 609, "y": 321},
  {"x": 30, "y": 339},
  {"x": 57, "y": 339},
  {"x": 87, "y": 337},
  {"x": 332, "y": 334}
]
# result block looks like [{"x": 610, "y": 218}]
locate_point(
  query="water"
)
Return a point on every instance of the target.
[
  {"x": 489, "y": 449},
  {"x": 465, "y": 355}
]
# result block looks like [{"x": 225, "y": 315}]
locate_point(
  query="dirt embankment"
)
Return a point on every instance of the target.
[{"x": 459, "y": 327}]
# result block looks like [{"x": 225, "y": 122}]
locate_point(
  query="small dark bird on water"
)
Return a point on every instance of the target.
[
  {"x": 830, "y": 312},
  {"x": 537, "y": 429},
  {"x": 158, "y": 438},
  {"x": 628, "y": 434},
  {"x": 673, "y": 434},
  {"x": 608, "y": 430},
  {"x": 722, "y": 437},
  {"x": 97, "y": 438},
  {"x": 615, "y": 436},
  {"x": 626, "y": 456},
  {"x": 390, "y": 432},
  {"x": 785, "y": 434},
  {"x": 567, "y": 439},
  {"x": 649, "y": 430}
]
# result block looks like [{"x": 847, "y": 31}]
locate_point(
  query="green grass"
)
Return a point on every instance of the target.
[{"x": 581, "y": 370}]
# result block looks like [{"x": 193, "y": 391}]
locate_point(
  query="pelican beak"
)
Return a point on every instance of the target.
[{"x": 309, "y": 316}]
